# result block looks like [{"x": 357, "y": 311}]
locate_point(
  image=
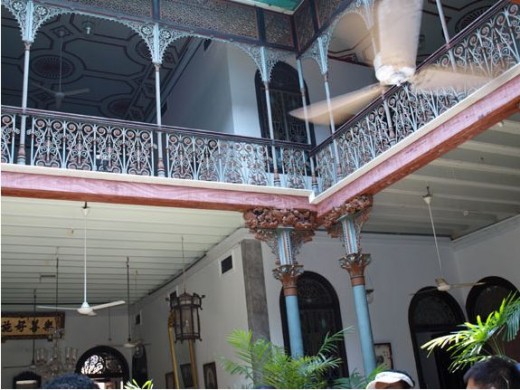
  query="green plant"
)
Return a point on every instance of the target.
[
  {"x": 356, "y": 380},
  {"x": 266, "y": 364},
  {"x": 134, "y": 385},
  {"x": 476, "y": 342}
]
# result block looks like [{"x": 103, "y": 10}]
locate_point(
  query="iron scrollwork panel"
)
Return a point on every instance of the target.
[{"x": 9, "y": 134}]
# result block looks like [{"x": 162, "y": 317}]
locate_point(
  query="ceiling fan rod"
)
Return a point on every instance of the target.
[
  {"x": 85, "y": 213},
  {"x": 428, "y": 199}
]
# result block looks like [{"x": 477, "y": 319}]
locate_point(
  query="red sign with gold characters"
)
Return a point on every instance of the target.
[{"x": 31, "y": 325}]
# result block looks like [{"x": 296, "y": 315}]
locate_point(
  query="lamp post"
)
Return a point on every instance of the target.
[{"x": 186, "y": 323}]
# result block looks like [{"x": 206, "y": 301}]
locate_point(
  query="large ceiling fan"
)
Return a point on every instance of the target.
[
  {"x": 59, "y": 95},
  {"x": 85, "y": 308},
  {"x": 440, "y": 283},
  {"x": 395, "y": 39}
]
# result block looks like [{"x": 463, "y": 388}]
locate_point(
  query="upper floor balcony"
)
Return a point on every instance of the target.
[{"x": 324, "y": 157}]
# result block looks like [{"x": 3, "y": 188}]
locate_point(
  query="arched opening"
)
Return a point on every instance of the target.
[
  {"x": 104, "y": 364},
  {"x": 319, "y": 314},
  {"x": 285, "y": 96},
  {"x": 486, "y": 298},
  {"x": 432, "y": 314}
]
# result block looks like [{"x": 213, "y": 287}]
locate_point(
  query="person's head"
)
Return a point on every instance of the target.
[
  {"x": 493, "y": 373},
  {"x": 71, "y": 381},
  {"x": 392, "y": 379}
]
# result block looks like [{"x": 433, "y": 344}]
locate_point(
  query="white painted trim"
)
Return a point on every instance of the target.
[{"x": 484, "y": 233}]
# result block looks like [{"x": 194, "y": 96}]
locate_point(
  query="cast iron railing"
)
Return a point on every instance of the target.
[
  {"x": 69, "y": 141},
  {"x": 487, "y": 47}
]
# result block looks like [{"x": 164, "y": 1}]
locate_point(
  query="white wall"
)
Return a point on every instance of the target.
[
  {"x": 201, "y": 99},
  {"x": 217, "y": 91},
  {"x": 490, "y": 252},
  {"x": 82, "y": 332},
  {"x": 242, "y": 70},
  {"x": 223, "y": 309}
]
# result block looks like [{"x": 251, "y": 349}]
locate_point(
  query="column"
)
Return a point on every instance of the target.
[
  {"x": 23, "y": 124},
  {"x": 346, "y": 222},
  {"x": 285, "y": 231},
  {"x": 265, "y": 80},
  {"x": 160, "y": 158},
  {"x": 307, "y": 127},
  {"x": 325, "y": 73}
]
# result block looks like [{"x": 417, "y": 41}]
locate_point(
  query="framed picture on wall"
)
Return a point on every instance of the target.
[
  {"x": 169, "y": 380},
  {"x": 187, "y": 378},
  {"x": 210, "y": 376},
  {"x": 384, "y": 355}
]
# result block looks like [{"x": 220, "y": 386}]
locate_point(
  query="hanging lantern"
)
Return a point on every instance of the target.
[{"x": 185, "y": 310}]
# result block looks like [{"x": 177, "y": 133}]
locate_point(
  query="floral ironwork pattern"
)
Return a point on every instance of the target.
[
  {"x": 9, "y": 133},
  {"x": 488, "y": 49},
  {"x": 62, "y": 143}
]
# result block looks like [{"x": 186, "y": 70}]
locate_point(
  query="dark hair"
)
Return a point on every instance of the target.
[
  {"x": 495, "y": 372},
  {"x": 71, "y": 381}
]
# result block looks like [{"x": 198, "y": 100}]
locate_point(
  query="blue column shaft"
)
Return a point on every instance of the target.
[
  {"x": 293, "y": 322},
  {"x": 365, "y": 328}
]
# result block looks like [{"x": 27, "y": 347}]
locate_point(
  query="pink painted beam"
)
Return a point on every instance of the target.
[
  {"x": 124, "y": 192},
  {"x": 496, "y": 106}
]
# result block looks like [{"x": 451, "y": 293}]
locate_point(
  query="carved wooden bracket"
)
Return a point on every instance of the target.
[
  {"x": 288, "y": 275},
  {"x": 361, "y": 205},
  {"x": 355, "y": 264},
  {"x": 263, "y": 220}
]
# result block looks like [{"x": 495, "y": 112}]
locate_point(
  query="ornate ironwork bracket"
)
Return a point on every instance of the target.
[
  {"x": 355, "y": 264},
  {"x": 31, "y": 16},
  {"x": 288, "y": 275},
  {"x": 264, "y": 58}
]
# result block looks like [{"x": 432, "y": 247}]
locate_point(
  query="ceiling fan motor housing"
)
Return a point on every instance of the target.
[{"x": 393, "y": 72}]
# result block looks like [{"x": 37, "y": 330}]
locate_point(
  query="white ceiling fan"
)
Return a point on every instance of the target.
[
  {"x": 59, "y": 95},
  {"x": 440, "y": 282},
  {"x": 85, "y": 308},
  {"x": 395, "y": 39}
]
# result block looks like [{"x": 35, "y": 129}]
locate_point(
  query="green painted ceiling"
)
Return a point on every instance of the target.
[{"x": 289, "y": 5}]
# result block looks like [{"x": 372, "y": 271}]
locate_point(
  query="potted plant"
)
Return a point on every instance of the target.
[
  {"x": 267, "y": 365},
  {"x": 477, "y": 342}
]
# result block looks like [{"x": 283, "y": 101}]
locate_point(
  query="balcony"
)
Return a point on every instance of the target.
[{"x": 42, "y": 138}]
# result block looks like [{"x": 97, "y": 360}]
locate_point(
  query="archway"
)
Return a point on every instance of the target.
[
  {"x": 432, "y": 314},
  {"x": 104, "y": 364},
  {"x": 319, "y": 314}
]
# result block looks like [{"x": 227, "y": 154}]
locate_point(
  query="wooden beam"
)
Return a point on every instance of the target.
[
  {"x": 31, "y": 185},
  {"x": 494, "y": 107}
]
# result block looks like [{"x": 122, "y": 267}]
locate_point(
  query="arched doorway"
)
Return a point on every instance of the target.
[
  {"x": 486, "y": 298},
  {"x": 285, "y": 96},
  {"x": 104, "y": 364},
  {"x": 432, "y": 314},
  {"x": 319, "y": 314}
]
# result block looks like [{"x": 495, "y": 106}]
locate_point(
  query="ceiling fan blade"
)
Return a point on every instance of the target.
[
  {"x": 397, "y": 27},
  {"x": 76, "y": 92},
  {"x": 459, "y": 285},
  {"x": 44, "y": 88},
  {"x": 342, "y": 107},
  {"x": 107, "y": 305},
  {"x": 434, "y": 79},
  {"x": 56, "y": 307}
]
